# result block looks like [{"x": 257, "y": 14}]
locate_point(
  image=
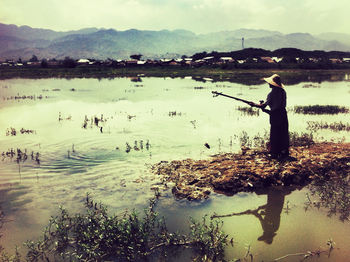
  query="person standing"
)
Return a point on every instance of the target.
[{"x": 279, "y": 134}]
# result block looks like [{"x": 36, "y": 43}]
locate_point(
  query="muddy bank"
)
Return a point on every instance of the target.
[{"x": 252, "y": 169}]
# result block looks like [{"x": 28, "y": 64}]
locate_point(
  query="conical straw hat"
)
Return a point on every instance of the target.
[{"x": 274, "y": 80}]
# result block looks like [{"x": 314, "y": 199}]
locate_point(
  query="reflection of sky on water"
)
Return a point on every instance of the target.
[{"x": 173, "y": 115}]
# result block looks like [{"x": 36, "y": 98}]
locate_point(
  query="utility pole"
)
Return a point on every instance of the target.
[{"x": 242, "y": 42}]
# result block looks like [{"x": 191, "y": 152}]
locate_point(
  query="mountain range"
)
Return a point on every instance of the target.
[{"x": 24, "y": 42}]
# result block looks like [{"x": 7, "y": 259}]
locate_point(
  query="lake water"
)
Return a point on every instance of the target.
[{"x": 143, "y": 123}]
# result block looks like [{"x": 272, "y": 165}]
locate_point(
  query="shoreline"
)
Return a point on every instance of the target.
[{"x": 247, "y": 76}]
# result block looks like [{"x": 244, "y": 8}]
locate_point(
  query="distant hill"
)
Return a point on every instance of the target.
[
  {"x": 338, "y": 37},
  {"x": 28, "y": 33},
  {"x": 23, "y": 42},
  {"x": 297, "y": 40}
]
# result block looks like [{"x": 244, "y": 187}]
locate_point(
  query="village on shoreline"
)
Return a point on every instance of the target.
[{"x": 249, "y": 58}]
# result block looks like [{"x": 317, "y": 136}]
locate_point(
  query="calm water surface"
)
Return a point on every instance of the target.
[{"x": 160, "y": 119}]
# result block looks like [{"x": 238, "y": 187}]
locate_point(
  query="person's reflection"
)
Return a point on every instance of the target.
[{"x": 269, "y": 215}]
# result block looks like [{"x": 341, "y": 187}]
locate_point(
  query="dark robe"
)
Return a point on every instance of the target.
[{"x": 279, "y": 136}]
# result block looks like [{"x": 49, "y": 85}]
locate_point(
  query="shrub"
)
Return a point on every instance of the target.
[{"x": 96, "y": 236}]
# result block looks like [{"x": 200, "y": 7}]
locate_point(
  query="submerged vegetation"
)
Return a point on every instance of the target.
[
  {"x": 336, "y": 126},
  {"x": 261, "y": 141},
  {"x": 311, "y": 86},
  {"x": 94, "y": 121},
  {"x": 97, "y": 236},
  {"x": 303, "y": 139},
  {"x": 320, "y": 109},
  {"x": 19, "y": 97},
  {"x": 174, "y": 113},
  {"x": 138, "y": 145},
  {"x": 250, "y": 111},
  {"x": 20, "y": 155},
  {"x": 13, "y": 132},
  {"x": 332, "y": 194}
]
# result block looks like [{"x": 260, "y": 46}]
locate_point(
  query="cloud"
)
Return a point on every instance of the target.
[{"x": 200, "y": 16}]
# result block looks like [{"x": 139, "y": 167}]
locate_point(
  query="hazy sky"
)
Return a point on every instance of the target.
[{"x": 199, "y": 16}]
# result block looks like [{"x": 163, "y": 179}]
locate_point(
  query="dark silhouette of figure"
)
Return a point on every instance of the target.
[
  {"x": 276, "y": 100},
  {"x": 269, "y": 215}
]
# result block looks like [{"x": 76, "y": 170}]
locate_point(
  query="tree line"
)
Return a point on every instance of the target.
[{"x": 282, "y": 52}]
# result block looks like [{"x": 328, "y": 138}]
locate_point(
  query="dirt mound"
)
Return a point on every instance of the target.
[{"x": 252, "y": 170}]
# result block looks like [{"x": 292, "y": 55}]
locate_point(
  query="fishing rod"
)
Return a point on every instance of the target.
[{"x": 215, "y": 94}]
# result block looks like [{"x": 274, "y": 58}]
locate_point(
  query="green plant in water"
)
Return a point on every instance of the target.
[
  {"x": 210, "y": 240},
  {"x": 244, "y": 139},
  {"x": 302, "y": 139},
  {"x": 97, "y": 236},
  {"x": 261, "y": 141},
  {"x": 331, "y": 192},
  {"x": 336, "y": 126},
  {"x": 320, "y": 109},
  {"x": 5, "y": 257},
  {"x": 250, "y": 111},
  {"x": 258, "y": 140}
]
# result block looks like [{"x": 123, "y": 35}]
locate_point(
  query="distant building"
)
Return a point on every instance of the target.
[
  {"x": 267, "y": 59},
  {"x": 83, "y": 61},
  {"x": 53, "y": 63},
  {"x": 131, "y": 62},
  {"x": 314, "y": 60},
  {"x": 34, "y": 63},
  {"x": 165, "y": 60},
  {"x": 225, "y": 59},
  {"x": 174, "y": 63},
  {"x": 198, "y": 62},
  {"x": 277, "y": 59},
  {"x": 208, "y": 59},
  {"x": 151, "y": 62},
  {"x": 335, "y": 60},
  {"x": 188, "y": 61}
]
